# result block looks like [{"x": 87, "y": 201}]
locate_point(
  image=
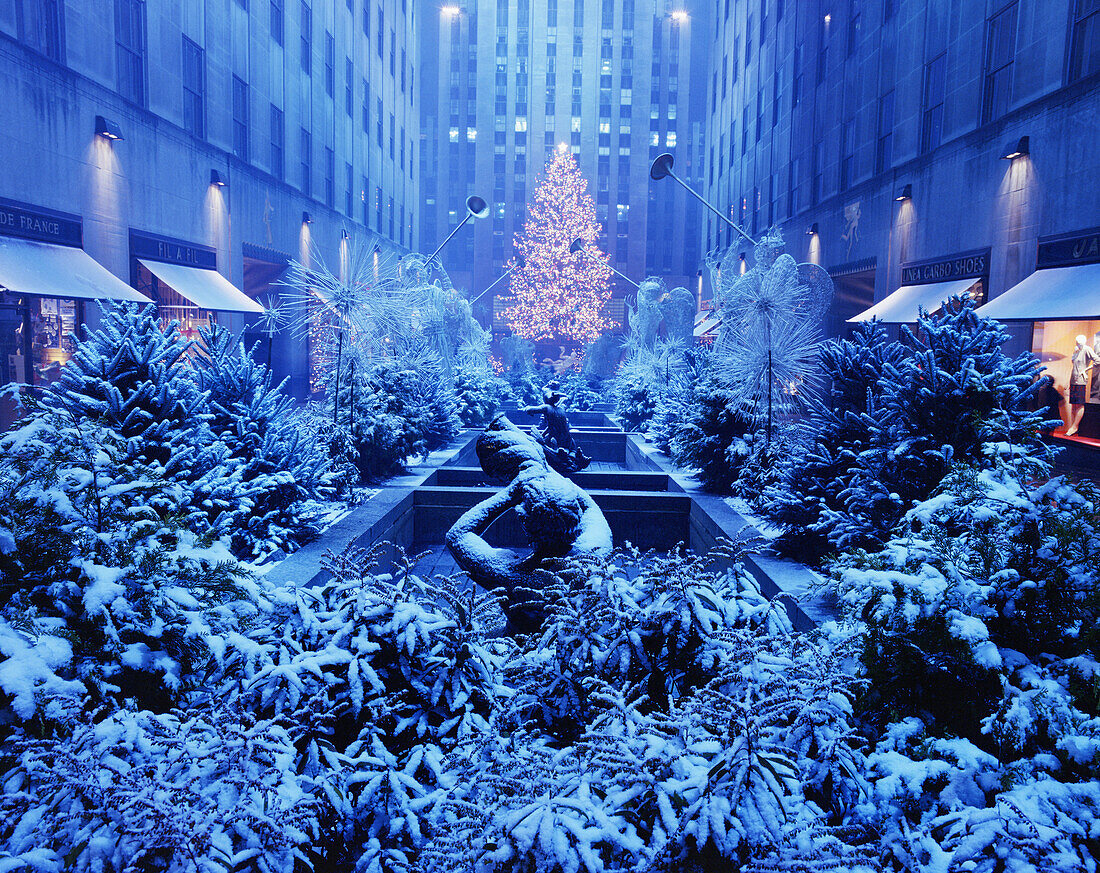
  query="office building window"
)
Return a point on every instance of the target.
[
  {"x": 888, "y": 9},
  {"x": 847, "y": 154},
  {"x": 307, "y": 38},
  {"x": 38, "y": 24},
  {"x": 381, "y": 33},
  {"x": 378, "y": 122},
  {"x": 855, "y": 25},
  {"x": 240, "y": 118},
  {"x": 389, "y": 206},
  {"x": 130, "y": 49},
  {"x": 748, "y": 41},
  {"x": 378, "y": 209},
  {"x": 349, "y": 88},
  {"x": 393, "y": 134},
  {"x": 823, "y": 50},
  {"x": 305, "y": 142},
  {"x": 366, "y": 107},
  {"x": 349, "y": 175},
  {"x": 999, "y": 56},
  {"x": 796, "y": 78},
  {"x": 884, "y": 146},
  {"x": 330, "y": 177},
  {"x": 935, "y": 83},
  {"x": 194, "y": 88},
  {"x": 330, "y": 64},
  {"x": 393, "y": 53},
  {"x": 403, "y": 59},
  {"x": 278, "y": 143},
  {"x": 1085, "y": 48},
  {"x": 817, "y": 173},
  {"x": 792, "y": 188},
  {"x": 276, "y": 20},
  {"x": 365, "y": 197}
]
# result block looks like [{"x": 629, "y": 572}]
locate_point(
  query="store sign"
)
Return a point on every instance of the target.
[
  {"x": 43, "y": 225},
  {"x": 967, "y": 265},
  {"x": 171, "y": 251},
  {"x": 1066, "y": 251}
]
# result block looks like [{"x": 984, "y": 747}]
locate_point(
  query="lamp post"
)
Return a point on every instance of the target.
[{"x": 662, "y": 167}]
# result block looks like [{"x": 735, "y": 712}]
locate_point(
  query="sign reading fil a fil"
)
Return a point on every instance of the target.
[{"x": 968, "y": 265}]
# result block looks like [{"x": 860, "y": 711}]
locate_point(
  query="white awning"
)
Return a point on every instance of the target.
[
  {"x": 207, "y": 289},
  {"x": 48, "y": 270},
  {"x": 903, "y": 305},
  {"x": 1058, "y": 292}
]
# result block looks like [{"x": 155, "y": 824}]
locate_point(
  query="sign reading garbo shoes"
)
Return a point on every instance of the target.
[
  {"x": 965, "y": 265},
  {"x": 1066, "y": 250},
  {"x": 37, "y": 223}
]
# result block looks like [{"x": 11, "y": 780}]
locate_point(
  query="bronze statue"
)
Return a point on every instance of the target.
[
  {"x": 555, "y": 437},
  {"x": 559, "y": 519}
]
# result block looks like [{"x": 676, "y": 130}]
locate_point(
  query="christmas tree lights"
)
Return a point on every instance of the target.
[{"x": 558, "y": 295}]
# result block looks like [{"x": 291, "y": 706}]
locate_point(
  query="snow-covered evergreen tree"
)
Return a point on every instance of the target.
[{"x": 280, "y": 467}]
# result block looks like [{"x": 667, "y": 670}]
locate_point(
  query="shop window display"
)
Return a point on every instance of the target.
[
  {"x": 1070, "y": 351},
  {"x": 173, "y": 306}
]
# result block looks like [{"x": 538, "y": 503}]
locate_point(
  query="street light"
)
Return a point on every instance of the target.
[
  {"x": 1021, "y": 149},
  {"x": 476, "y": 207},
  {"x": 578, "y": 246},
  {"x": 662, "y": 167},
  {"x": 106, "y": 128},
  {"x": 904, "y": 193}
]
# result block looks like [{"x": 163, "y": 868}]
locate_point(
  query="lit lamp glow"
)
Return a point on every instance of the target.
[
  {"x": 679, "y": 15},
  {"x": 450, "y": 10},
  {"x": 1019, "y": 149},
  {"x": 904, "y": 193},
  {"x": 106, "y": 128}
]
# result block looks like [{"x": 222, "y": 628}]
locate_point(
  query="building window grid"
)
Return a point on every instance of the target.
[
  {"x": 306, "y": 17},
  {"x": 240, "y": 118},
  {"x": 305, "y": 161},
  {"x": 935, "y": 83},
  {"x": 194, "y": 88},
  {"x": 130, "y": 49},
  {"x": 999, "y": 60},
  {"x": 884, "y": 145},
  {"x": 278, "y": 143},
  {"x": 330, "y": 178},
  {"x": 1085, "y": 41}
]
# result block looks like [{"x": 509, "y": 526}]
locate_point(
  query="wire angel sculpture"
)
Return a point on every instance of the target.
[
  {"x": 351, "y": 313},
  {"x": 768, "y": 348}
]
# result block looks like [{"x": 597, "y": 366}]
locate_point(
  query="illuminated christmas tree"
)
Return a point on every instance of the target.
[{"x": 558, "y": 295}]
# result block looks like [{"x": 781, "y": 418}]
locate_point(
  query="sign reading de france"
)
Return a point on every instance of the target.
[{"x": 37, "y": 223}]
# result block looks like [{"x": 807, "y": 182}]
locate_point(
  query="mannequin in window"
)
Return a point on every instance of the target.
[{"x": 1083, "y": 360}]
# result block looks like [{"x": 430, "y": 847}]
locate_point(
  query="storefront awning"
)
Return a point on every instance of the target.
[
  {"x": 207, "y": 289},
  {"x": 1047, "y": 295},
  {"x": 903, "y": 306},
  {"x": 48, "y": 270}
]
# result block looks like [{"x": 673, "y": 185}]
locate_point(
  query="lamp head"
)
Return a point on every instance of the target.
[
  {"x": 1019, "y": 149},
  {"x": 576, "y": 246},
  {"x": 106, "y": 128},
  {"x": 476, "y": 206},
  {"x": 905, "y": 193},
  {"x": 661, "y": 166},
  {"x": 217, "y": 179}
]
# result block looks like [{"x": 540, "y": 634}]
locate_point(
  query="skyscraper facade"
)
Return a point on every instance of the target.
[
  {"x": 913, "y": 146},
  {"x": 506, "y": 81},
  {"x": 227, "y": 136}
]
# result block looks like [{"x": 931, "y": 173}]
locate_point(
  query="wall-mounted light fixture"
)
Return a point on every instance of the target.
[
  {"x": 217, "y": 179},
  {"x": 905, "y": 192},
  {"x": 106, "y": 128},
  {"x": 1020, "y": 149},
  {"x": 812, "y": 229},
  {"x": 741, "y": 256},
  {"x": 344, "y": 234},
  {"x": 377, "y": 250},
  {"x": 307, "y": 218}
]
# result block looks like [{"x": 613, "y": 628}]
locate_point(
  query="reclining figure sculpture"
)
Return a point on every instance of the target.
[{"x": 559, "y": 519}]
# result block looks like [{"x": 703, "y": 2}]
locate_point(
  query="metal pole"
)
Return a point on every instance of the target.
[
  {"x": 448, "y": 239},
  {"x": 612, "y": 269},
  {"x": 503, "y": 275},
  {"x": 691, "y": 191}
]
